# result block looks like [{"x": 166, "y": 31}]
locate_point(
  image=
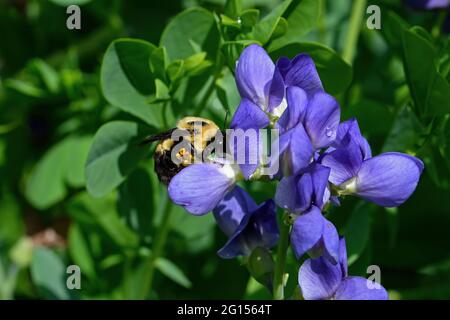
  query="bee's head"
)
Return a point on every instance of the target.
[{"x": 202, "y": 130}]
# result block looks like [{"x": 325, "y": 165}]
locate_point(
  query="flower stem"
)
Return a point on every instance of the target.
[
  {"x": 440, "y": 19},
  {"x": 354, "y": 27},
  {"x": 158, "y": 246},
  {"x": 278, "y": 279}
]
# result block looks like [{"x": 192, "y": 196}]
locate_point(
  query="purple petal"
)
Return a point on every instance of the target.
[
  {"x": 296, "y": 150},
  {"x": 301, "y": 72},
  {"x": 358, "y": 288},
  {"x": 305, "y": 191},
  {"x": 327, "y": 197},
  {"x": 320, "y": 175},
  {"x": 286, "y": 194},
  {"x": 185, "y": 190},
  {"x": 307, "y": 231},
  {"x": 246, "y": 145},
  {"x": 344, "y": 163},
  {"x": 258, "y": 229},
  {"x": 343, "y": 256},
  {"x": 295, "y": 111},
  {"x": 249, "y": 115},
  {"x": 349, "y": 131},
  {"x": 322, "y": 119},
  {"x": 330, "y": 242},
  {"x": 276, "y": 90},
  {"x": 232, "y": 209},
  {"x": 319, "y": 279},
  {"x": 248, "y": 169},
  {"x": 388, "y": 179},
  {"x": 254, "y": 73}
]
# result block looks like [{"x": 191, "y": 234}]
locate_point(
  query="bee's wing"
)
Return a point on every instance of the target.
[{"x": 157, "y": 137}]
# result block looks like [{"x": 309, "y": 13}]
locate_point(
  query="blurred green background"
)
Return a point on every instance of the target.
[{"x": 52, "y": 104}]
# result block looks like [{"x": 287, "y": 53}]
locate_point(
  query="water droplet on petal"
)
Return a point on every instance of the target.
[{"x": 329, "y": 132}]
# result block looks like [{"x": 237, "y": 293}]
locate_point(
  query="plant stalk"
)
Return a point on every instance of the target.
[
  {"x": 157, "y": 249},
  {"x": 354, "y": 28},
  {"x": 278, "y": 279}
]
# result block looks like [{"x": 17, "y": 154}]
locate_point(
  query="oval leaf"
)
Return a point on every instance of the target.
[
  {"x": 190, "y": 32},
  {"x": 113, "y": 155},
  {"x": 127, "y": 81},
  {"x": 171, "y": 271}
]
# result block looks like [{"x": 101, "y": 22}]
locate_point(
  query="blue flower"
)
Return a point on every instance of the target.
[
  {"x": 309, "y": 187},
  {"x": 262, "y": 85},
  {"x": 319, "y": 280},
  {"x": 312, "y": 233},
  {"x": 247, "y": 224},
  {"x": 200, "y": 187},
  {"x": 388, "y": 179},
  {"x": 306, "y": 126},
  {"x": 267, "y": 90},
  {"x": 306, "y": 194},
  {"x": 281, "y": 92}
]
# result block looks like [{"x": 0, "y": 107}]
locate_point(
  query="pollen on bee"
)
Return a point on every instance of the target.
[{"x": 181, "y": 153}]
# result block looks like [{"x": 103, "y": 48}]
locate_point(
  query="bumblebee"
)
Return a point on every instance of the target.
[{"x": 191, "y": 140}]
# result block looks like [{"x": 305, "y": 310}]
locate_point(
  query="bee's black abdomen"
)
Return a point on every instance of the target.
[{"x": 165, "y": 168}]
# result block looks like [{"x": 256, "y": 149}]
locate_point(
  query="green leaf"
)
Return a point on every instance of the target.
[
  {"x": 300, "y": 20},
  {"x": 233, "y": 8},
  {"x": 227, "y": 92},
  {"x": 190, "y": 32},
  {"x": 229, "y": 22},
  {"x": 114, "y": 154},
  {"x": 12, "y": 224},
  {"x": 264, "y": 29},
  {"x": 62, "y": 165},
  {"x": 175, "y": 70},
  {"x": 429, "y": 89},
  {"x": 162, "y": 91},
  {"x": 49, "y": 274},
  {"x": 135, "y": 203},
  {"x": 22, "y": 252},
  {"x": 25, "y": 88},
  {"x": 335, "y": 73},
  {"x": 405, "y": 132},
  {"x": 158, "y": 61},
  {"x": 104, "y": 214},
  {"x": 256, "y": 291},
  {"x": 357, "y": 230},
  {"x": 393, "y": 26},
  {"x": 78, "y": 149},
  {"x": 249, "y": 18},
  {"x": 232, "y": 50},
  {"x": 127, "y": 81},
  {"x": 46, "y": 184},
  {"x": 194, "y": 61},
  {"x": 281, "y": 28},
  {"x": 197, "y": 231},
  {"x": 49, "y": 75},
  {"x": 171, "y": 271},
  {"x": 79, "y": 250}
]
